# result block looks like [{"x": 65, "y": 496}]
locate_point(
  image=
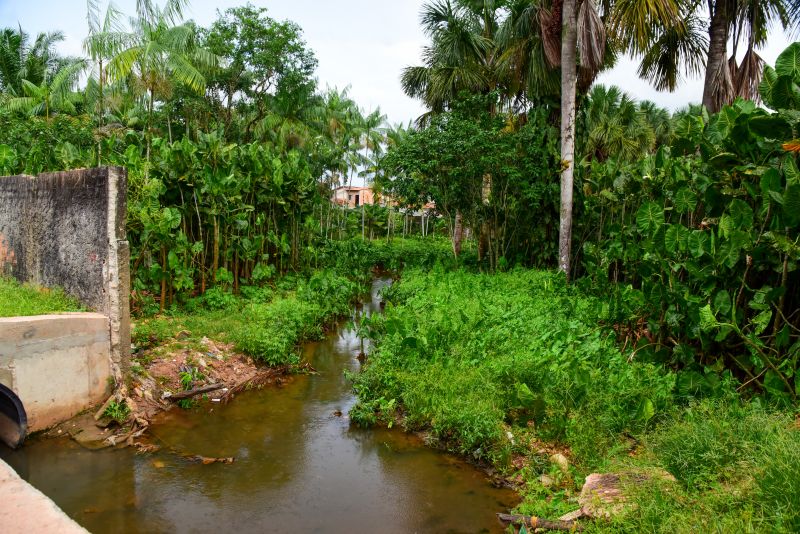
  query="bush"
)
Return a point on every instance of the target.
[{"x": 464, "y": 354}]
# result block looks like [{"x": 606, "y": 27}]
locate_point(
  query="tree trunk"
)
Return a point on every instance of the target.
[
  {"x": 718, "y": 88},
  {"x": 569, "y": 44},
  {"x": 458, "y": 234}
]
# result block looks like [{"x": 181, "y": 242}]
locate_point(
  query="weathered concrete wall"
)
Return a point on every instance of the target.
[
  {"x": 26, "y": 510},
  {"x": 58, "y": 365},
  {"x": 67, "y": 229}
]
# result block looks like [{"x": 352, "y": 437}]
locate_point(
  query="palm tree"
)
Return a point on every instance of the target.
[
  {"x": 54, "y": 93},
  {"x": 104, "y": 38},
  {"x": 631, "y": 25},
  {"x": 690, "y": 47},
  {"x": 158, "y": 51},
  {"x": 20, "y": 60},
  {"x": 463, "y": 54},
  {"x": 617, "y": 126}
]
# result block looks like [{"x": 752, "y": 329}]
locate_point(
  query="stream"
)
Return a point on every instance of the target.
[{"x": 299, "y": 467}]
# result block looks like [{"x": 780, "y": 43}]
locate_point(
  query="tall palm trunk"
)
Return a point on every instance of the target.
[
  {"x": 569, "y": 80},
  {"x": 718, "y": 87}
]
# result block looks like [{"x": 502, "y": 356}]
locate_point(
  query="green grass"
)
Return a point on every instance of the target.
[
  {"x": 25, "y": 299},
  {"x": 509, "y": 366},
  {"x": 269, "y": 325}
]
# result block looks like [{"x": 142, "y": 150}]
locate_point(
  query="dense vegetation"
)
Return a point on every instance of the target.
[
  {"x": 504, "y": 367},
  {"x": 18, "y": 300},
  {"x": 269, "y": 321},
  {"x": 670, "y": 339}
]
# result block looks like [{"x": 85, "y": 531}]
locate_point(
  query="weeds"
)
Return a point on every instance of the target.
[
  {"x": 118, "y": 411},
  {"x": 26, "y": 299}
]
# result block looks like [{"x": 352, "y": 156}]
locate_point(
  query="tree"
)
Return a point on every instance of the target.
[
  {"x": 463, "y": 55},
  {"x": 159, "y": 51},
  {"x": 688, "y": 47},
  {"x": 265, "y": 60},
  {"x": 569, "y": 80},
  {"x": 20, "y": 60},
  {"x": 54, "y": 93},
  {"x": 104, "y": 37}
]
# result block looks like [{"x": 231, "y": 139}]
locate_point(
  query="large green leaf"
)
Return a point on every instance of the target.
[
  {"x": 791, "y": 171},
  {"x": 650, "y": 217},
  {"x": 722, "y": 302},
  {"x": 788, "y": 63},
  {"x": 761, "y": 321},
  {"x": 672, "y": 238},
  {"x": 791, "y": 204},
  {"x": 785, "y": 94},
  {"x": 741, "y": 213},
  {"x": 771, "y": 127},
  {"x": 770, "y": 183},
  {"x": 685, "y": 200},
  {"x": 767, "y": 86},
  {"x": 698, "y": 243},
  {"x": 707, "y": 320}
]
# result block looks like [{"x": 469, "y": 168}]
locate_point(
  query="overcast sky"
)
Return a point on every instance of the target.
[{"x": 363, "y": 44}]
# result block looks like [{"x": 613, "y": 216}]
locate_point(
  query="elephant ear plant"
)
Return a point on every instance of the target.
[{"x": 704, "y": 237}]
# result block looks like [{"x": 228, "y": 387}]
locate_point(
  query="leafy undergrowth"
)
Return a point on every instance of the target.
[
  {"x": 265, "y": 323},
  {"x": 509, "y": 368},
  {"x": 25, "y": 299}
]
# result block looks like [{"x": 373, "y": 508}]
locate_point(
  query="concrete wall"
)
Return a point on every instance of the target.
[
  {"x": 58, "y": 365},
  {"x": 67, "y": 229},
  {"x": 26, "y": 510}
]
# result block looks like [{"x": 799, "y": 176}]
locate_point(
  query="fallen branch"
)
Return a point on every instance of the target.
[
  {"x": 531, "y": 523},
  {"x": 206, "y": 460},
  {"x": 196, "y": 391}
]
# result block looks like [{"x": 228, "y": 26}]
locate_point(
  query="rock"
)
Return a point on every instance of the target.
[
  {"x": 183, "y": 334},
  {"x": 604, "y": 494},
  {"x": 546, "y": 481},
  {"x": 147, "y": 394},
  {"x": 561, "y": 461},
  {"x": 138, "y": 391},
  {"x": 202, "y": 363}
]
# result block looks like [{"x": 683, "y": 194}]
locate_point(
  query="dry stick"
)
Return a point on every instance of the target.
[
  {"x": 196, "y": 391},
  {"x": 532, "y": 522}
]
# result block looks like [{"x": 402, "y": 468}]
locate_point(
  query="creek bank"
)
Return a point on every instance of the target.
[{"x": 177, "y": 373}]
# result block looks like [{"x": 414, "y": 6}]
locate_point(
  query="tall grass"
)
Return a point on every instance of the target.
[{"x": 26, "y": 299}]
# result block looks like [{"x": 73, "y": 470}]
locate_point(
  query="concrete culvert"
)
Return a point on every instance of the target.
[{"x": 13, "y": 419}]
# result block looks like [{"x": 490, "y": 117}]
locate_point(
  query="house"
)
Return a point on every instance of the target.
[{"x": 353, "y": 197}]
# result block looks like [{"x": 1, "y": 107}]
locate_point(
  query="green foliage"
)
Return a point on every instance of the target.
[
  {"x": 118, "y": 411},
  {"x": 700, "y": 242},
  {"x": 25, "y": 299},
  {"x": 736, "y": 466},
  {"x": 716, "y": 442},
  {"x": 499, "y": 175},
  {"x": 464, "y": 353}
]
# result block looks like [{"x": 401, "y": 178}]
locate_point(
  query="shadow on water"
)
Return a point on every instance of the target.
[{"x": 298, "y": 468}]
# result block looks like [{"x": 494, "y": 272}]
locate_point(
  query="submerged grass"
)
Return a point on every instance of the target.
[
  {"x": 26, "y": 299},
  {"x": 510, "y": 367}
]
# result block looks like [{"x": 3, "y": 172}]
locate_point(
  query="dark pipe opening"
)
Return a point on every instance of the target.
[{"x": 13, "y": 419}]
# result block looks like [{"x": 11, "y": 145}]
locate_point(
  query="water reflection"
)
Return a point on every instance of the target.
[{"x": 298, "y": 468}]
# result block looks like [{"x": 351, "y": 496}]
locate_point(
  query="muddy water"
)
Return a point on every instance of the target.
[{"x": 298, "y": 468}]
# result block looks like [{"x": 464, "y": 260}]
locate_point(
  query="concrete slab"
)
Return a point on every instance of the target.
[
  {"x": 58, "y": 365},
  {"x": 26, "y": 510}
]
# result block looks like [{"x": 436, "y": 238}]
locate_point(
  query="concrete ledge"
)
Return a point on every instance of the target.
[
  {"x": 26, "y": 510},
  {"x": 58, "y": 365}
]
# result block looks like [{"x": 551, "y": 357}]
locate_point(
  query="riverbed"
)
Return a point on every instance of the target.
[{"x": 300, "y": 466}]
